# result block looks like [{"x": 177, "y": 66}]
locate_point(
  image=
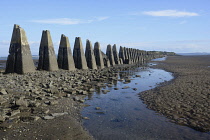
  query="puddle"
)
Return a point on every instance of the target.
[
  {"x": 160, "y": 59},
  {"x": 123, "y": 116}
]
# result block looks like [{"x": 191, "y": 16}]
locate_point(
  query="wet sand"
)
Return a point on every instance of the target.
[{"x": 186, "y": 99}]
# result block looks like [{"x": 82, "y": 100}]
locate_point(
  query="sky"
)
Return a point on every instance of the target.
[{"x": 181, "y": 26}]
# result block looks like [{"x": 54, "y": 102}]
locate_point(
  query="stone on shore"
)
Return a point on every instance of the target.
[{"x": 3, "y": 91}]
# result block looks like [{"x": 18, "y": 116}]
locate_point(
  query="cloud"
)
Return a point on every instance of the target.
[
  {"x": 170, "y": 13},
  {"x": 101, "y": 18},
  {"x": 68, "y": 21}
]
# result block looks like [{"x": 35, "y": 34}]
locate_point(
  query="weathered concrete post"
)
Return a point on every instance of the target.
[
  {"x": 131, "y": 54},
  {"x": 107, "y": 62},
  {"x": 127, "y": 60},
  {"x": 105, "y": 59},
  {"x": 135, "y": 56},
  {"x": 120, "y": 60},
  {"x": 47, "y": 58},
  {"x": 116, "y": 56},
  {"x": 122, "y": 54},
  {"x": 128, "y": 54},
  {"x": 19, "y": 59},
  {"x": 78, "y": 54},
  {"x": 90, "y": 57},
  {"x": 65, "y": 58},
  {"x": 109, "y": 54},
  {"x": 98, "y": 55}
]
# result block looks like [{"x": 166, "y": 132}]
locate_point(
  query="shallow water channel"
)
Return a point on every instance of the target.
[{"x": 123, "y": 116}]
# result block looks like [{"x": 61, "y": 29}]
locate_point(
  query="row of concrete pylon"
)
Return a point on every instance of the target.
[{"x": 20, "y": 59}]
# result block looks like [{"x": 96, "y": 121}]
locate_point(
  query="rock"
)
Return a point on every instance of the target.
[
  {"x": 15, "y": 112},
  {"x": 125, "y": 87},
  {"x": 84, "y": 93},
  {"x": 22, "y": 102},
  {"x": 47, "y": 102},
  {"x": 3, "y": 92},
  {"x": 68, "y": 95},
  {"x": 128, "y": 80},
  {"x": 86, "y": 118},
  {"x": 2, "y": 118},
  {"x": 48, "y": 117},
  {"x": 34, "y": 104},
  {"x": 135, "y": 89},
  {"x": 81, "y": 101},
  {"x": 105, "y": 91},
  {"x": 97, "y": 108},
  {"x": 29, "y": 118},
  {"x": 91, "y": 90},
  {"x": 58, "y": 114},
  {"x": 116, "y": 88},
  {"x": 55, "y": 102},
  {"x": 54, "y": 90},
  {"x": 5, "y": 126},
  {"x": 109, "y": 85},
  {"x": 138, "y": 75},
  {"x": 76, "y": 98}
]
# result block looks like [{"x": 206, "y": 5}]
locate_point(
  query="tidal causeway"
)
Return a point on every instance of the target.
[{"x": 43, "y": 98}]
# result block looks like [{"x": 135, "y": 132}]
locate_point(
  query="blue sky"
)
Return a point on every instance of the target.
[{"x": 165, "y": 25}]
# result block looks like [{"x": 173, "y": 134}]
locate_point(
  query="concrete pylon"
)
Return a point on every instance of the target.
[
  {"x": 19, "y": 59},
  {"x": 65, "y": 58},
  {"x": 125, "y": 53},
  {"x": 120, "y": 60},
  {"x": 107, "y": 62},
  {"x": 109, "y": 54},
  {"x": 90, "y": 57},
  {"x": 122, "y": 54},
  {"x": 116, "y": 56},
  {"x": 98, "y": 55},
  {"x": 78, "y": 54},
  {"x": 47, "y": 58},
  {"x": 105, "y": 59},
  {"x": 127, "y": 60}
]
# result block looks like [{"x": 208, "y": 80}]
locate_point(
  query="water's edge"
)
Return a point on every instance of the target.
[{"x": 120, "y": 114}]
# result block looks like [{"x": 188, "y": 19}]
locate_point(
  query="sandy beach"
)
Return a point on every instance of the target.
[{"x": 184, "y": 100}]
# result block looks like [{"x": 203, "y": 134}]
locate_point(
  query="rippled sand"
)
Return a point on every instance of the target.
[{"x": 186, "y": 100}]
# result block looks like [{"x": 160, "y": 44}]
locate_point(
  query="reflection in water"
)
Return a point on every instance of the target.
[
  {"x": 160, "y": 59},
  {"x": 122, "y": 114}
]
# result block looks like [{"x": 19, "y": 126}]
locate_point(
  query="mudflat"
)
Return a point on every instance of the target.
[{"x": 186, "y": 99}]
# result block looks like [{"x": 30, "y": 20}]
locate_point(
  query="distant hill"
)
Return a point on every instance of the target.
[{"x": 193, "y": 53}]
